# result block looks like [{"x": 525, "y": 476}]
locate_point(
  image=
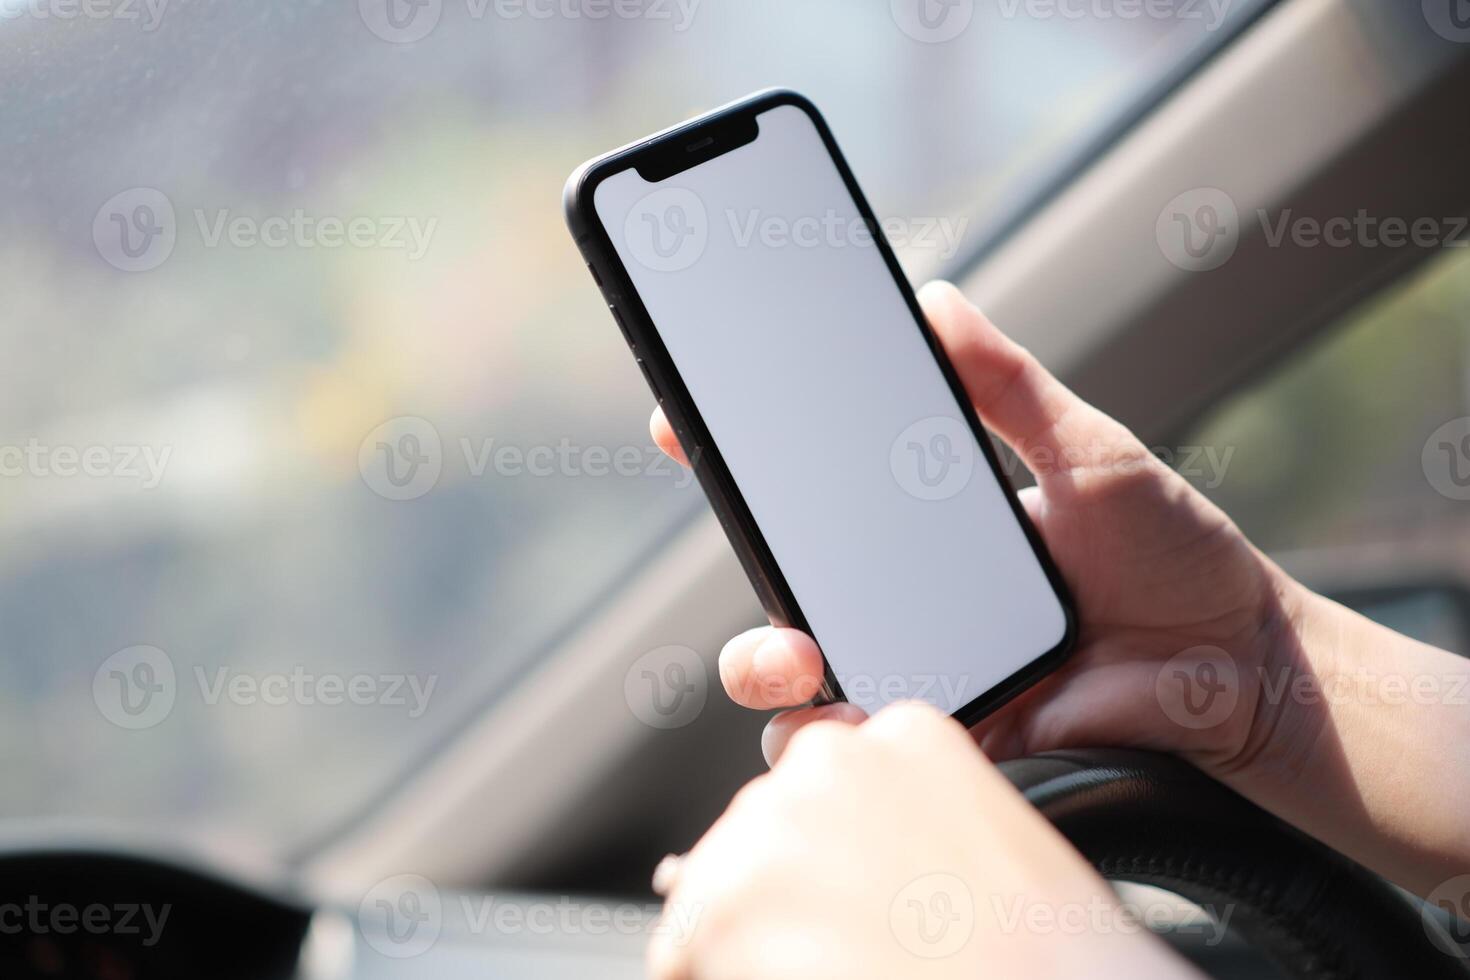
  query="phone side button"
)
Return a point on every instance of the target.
[
  {"x": 618, "y": 317},
  {"x": 649, "y": 378}
]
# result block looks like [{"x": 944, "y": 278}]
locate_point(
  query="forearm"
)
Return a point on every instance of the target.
[{"x": 1362, "y": 739}]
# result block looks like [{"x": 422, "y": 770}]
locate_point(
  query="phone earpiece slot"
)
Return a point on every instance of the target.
[{"x": 682, "y": 151}]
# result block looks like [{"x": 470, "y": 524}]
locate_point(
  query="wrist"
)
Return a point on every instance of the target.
[
  {"x": 1275, "y": 736},
  {"x": 1357, "y": 735}
]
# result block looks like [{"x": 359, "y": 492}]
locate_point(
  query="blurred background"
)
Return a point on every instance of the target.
[
  {"x": 254, "y": 373},
  {"x": 180, "y": 305}
]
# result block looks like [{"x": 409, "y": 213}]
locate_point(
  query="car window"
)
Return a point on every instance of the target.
[
  {"x": 314, "y": 434},
  {"x": 1362, "y": 439}
]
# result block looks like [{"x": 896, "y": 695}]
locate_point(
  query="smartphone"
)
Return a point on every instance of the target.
[{"x": 826, "y": 426}]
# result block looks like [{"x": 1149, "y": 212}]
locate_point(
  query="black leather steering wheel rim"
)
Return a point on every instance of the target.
[{"x": 1154, "y": 819}]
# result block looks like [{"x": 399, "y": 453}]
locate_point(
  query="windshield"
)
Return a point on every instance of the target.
[{"x": 316, "y": 434}]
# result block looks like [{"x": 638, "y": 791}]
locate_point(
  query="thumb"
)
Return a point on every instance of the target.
[{"x": 1039, "y": 418}]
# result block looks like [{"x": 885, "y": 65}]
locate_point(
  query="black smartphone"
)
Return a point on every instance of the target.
[{"x": 829, "y": 431}]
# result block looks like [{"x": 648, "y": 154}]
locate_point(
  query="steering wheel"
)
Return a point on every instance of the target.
[{"x": 1156, "y": 820}]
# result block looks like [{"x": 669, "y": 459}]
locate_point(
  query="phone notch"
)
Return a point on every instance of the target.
[{"x": 684, "y": 150}]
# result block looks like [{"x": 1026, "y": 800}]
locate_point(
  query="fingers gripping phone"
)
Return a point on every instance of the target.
[{"x": 826, "y": 426}]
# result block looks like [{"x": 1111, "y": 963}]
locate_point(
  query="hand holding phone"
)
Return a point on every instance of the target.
[
  {"x": 1165, "y": 579},
  {"x": 1183, "y": 621}
]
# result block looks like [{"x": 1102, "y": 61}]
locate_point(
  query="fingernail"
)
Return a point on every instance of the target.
[
  {"x": 767, "y": 657},
  {"x": 844, "y": 711}
]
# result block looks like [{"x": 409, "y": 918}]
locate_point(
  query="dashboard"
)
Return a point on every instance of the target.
[{"x": 89, "y": 913}]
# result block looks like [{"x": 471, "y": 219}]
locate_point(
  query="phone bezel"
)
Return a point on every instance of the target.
[{"x": 728, "y": 126}]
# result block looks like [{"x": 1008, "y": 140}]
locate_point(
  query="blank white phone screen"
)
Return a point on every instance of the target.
[{"x": 834, "y": 419}]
